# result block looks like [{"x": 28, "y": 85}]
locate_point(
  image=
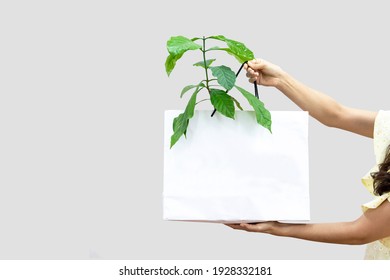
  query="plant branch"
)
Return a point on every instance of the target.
[
  {"x": 205, "y": 64},
  {"x": 202, "y": 100},
  {"x": 215, "y": 86},
  {"x": 216, "y": 49},
  {"x": 210, "y": 80}
]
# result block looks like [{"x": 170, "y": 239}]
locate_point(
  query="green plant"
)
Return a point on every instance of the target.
[{"x": 218, "y": 87}]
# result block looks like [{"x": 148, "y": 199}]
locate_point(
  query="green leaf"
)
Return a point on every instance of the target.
[
  {"x": 237, "y": 104},
  {"x": 263, "y": 116},
  {"x": 180, "y": 44},
  {"x": 190, "y": 109},
  {"x": 219, "y": 37},
  {"x": 170, "y": 63},
  {"x": 225, "y": 76},
  {"x": 235, "y": 48},
  {"x": 180, "y": 123},
  {"x": 187, "y": 88},
  {"x": 185, "y": 132},
  {"x": 218, "y": 49},
  {"x": 222, "y": 102},
  {"x": 177, "y": 46},
  {"x": 240, "y": 51},
  {"x": 201, "y": 63}
]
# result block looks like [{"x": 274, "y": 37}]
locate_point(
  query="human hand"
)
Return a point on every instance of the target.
[
  {"x": 263, "y": 72},
  {"x": 264, "y": 227}
]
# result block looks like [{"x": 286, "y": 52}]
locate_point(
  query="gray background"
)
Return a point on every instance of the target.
[{"x": 82, "y": 96}]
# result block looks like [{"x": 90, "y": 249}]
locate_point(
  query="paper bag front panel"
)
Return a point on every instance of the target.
[{"x": 237, "y": 171}]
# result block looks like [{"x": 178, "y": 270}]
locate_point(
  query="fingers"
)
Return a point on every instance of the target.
[
  {"x": 255, "y": 77},
  {"x": 246, "y": 227},
  {"x": 257, "y": 64},
  {"x": 252, "y": 80},
  {"x": 254, "y": 68},
  {"x": 234, "y": 226},
  {"x": 258, "y": 227},
  {"x": 252, "y": 74},
  {"x": 254, "y": 227}
]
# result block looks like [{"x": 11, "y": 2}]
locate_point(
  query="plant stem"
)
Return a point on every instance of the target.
[
  {"x": 205, "y": 65},
  {"x": 202, "y": 101},
  {"x": 210, "y": 80}
]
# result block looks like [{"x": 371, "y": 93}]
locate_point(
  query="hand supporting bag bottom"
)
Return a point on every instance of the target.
[{"x": 237, "y": 171}]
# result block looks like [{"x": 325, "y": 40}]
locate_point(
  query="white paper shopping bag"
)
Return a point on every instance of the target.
[{"x": 237, "y": 171}]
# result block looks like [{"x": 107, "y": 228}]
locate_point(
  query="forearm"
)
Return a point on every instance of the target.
[
  {"x": 320, "y": 106},
  {"x": 339, "y": 233},
  {"x": 372, "y": 225},
  {"x": 325, "y": 109}
]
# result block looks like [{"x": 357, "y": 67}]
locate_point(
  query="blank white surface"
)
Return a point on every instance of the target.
[{"x": 236, "y": 170}]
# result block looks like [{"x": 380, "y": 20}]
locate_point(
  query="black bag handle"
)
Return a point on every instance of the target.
[{"x": 254, "y": 84}]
